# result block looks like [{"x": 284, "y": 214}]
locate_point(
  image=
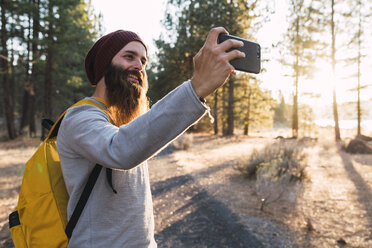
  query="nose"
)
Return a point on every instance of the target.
[{"x": 137, "y": 64}]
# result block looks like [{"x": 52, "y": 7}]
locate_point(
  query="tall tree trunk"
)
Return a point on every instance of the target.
[
  {"x": 34, "y": 48},
  {"x": 224, "y": 110},
  {"x": 295, "y": 95},
  {"x": 248, "y": 115},
  {"x": 230, "y": 107},
  {"x": 295, "y": 116},
  {"x": 9, "y": 112},
  {"x": 26, "y": 95},
  {"x": 48, "y": 89},
  {"x": 215, "y": 113},
  {"x": 49, "y": 80},
  {"x": 359, "y": 112},
  {"x": 335, "y": 111},
  {"x": 24, "y": 117},
  {"x": 335, "y": 117},
  {"x": 12, "y": 77}
]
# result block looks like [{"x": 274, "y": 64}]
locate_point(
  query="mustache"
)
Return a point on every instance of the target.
[{"x": 124, "y": 74}]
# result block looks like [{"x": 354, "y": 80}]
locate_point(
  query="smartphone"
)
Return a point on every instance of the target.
[{"x": 252, "y": 61}]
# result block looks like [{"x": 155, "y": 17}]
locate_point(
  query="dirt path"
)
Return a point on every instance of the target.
[
  {"x": 13, "y": 156},
  {"x": 197, "y": 194},
  {"x": 335, "y": 209},
  {"x": 201, "y": 201},
  {"x": 338, "y": 201}
]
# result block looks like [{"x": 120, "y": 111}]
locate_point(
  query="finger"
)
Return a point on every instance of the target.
[
  {"x": 234, "y": 54},
  {"x": 231, "y": 43},
  {"x": 213, "y": 35}
]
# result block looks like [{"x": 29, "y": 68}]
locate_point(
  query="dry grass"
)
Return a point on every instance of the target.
[
  {"x": 13, "y": 156},
  {"x": 333, "y": 206},
  {"x": 334, "y": 209}
]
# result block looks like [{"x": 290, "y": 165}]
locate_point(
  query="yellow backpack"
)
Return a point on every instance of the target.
[{"x": 40, "y": 218}]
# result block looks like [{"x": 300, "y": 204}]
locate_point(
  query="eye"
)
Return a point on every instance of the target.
[{"x": 129, "y": 56}]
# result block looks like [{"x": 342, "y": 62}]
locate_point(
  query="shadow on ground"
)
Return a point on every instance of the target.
[
  {"x": 186, "y": 215},
  {"x": 209, "y": 223},
  {"x": 5, "y": 239},
  {"x": 363, "y": 189}
]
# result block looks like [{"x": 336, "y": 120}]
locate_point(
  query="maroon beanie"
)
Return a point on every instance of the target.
[{"x": 100, "y": 55}]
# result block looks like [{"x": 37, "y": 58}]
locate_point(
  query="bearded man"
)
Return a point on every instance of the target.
[{"x": 115, "y": 65}]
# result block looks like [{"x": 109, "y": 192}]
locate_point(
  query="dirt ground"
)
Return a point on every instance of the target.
[{"x": 200, "y": 200}]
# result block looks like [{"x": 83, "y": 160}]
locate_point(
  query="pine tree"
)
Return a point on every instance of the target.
[
  {"x": 301, "y": 46},
  {"x": 358, "y": 18},
  {"x": 333, "y": 57},
  {"x": 68, "y": 36},
  {"x": 46, "y": 42},
  {"x": 280, "y": 113},
  {"x": 256, "y": 107},
  {"x": 187, "y": 24},
  {"x": 4, "y": 58}
]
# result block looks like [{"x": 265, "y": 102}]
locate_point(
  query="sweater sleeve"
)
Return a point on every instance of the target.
[{"x": 86, "y": 132}]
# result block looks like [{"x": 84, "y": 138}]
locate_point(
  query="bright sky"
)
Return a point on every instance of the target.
[
  {"x": 144, "y": 17},
  {"x": 140, "y": 16}
]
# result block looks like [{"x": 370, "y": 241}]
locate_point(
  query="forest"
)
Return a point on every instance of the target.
[
  {"x": 44, "y": 42},
  {"x": 286, "y": 161}
]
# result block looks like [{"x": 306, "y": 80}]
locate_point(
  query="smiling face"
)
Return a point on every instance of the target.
[
  {"x": 126, "y": 83},
  {"x": 132, "y": 57}
]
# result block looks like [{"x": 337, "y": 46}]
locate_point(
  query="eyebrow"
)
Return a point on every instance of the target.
[{"x": 135, "y": 53}]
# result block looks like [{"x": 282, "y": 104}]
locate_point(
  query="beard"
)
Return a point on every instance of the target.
[{"x": 126, "y": 99}]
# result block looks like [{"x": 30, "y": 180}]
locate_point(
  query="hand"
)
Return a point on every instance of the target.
[{"x": 211, "y": 63}]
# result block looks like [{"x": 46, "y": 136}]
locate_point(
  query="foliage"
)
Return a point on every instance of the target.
[
  {"x": 278, "y": 171},
  {"x": 75, "y": 31},
  {"x": 306, "y": 116},
  {"x": 301, "y": 40},
  {"x": 274, "y": 162},
  {"x": 281, "y": 113},
  {"x": 47, "y": 43},
  {"x": 361, "y": 10},
  {"x": 254, "y": 106},
  {"x": 301, "y": 46},
  {"x": 187, "y": 24}
]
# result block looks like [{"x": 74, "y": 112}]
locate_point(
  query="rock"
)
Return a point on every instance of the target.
[
  {"x": 341, "y": 241},
  {"x": 309, "y": 225},
  {"x": 364, "y": 138},
  {"x": 358, "y": 146}
]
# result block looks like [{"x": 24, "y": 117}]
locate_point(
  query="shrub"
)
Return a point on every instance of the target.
[
  {"x": 184, "y": 142},
  {"x": 277, "y": 170},
  {"x": 274, "y": 162}
]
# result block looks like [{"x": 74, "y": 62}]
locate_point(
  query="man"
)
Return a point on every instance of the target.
[{"x": 115, "y": 65}]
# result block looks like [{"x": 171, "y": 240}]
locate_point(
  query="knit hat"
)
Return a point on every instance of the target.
[{"x": 100, "y": 55}]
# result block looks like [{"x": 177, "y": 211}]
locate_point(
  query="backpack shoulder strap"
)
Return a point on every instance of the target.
[
  {"x": 54, "y": 129},
  {"x": 83, "y": 200},
  {"x": 92, "y": 102}
]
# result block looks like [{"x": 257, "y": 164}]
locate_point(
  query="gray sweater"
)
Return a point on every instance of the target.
[{"x": 86, "y": 137}]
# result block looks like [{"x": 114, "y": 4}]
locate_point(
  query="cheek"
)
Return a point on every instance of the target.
[
  {"x": 119, "y": 62},
  {"x": 144, "y": 74}
]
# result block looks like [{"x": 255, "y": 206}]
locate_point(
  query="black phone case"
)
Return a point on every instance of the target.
[{"x": 252, "y": 61}]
